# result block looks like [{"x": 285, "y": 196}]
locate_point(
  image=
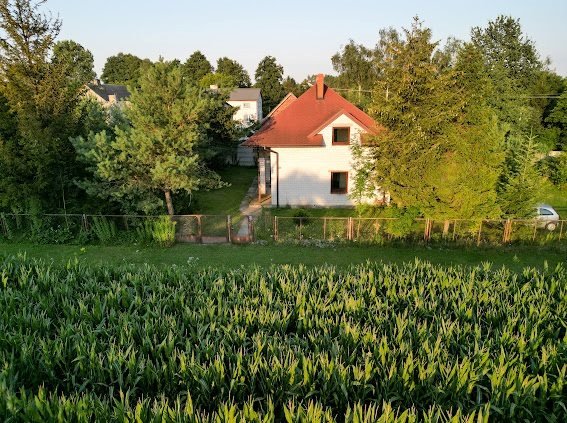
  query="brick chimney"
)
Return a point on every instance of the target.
[{"x": 320, "y": 86}]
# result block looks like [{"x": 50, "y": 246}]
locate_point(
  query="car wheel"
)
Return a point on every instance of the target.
[{"x": 551, "y": 226}]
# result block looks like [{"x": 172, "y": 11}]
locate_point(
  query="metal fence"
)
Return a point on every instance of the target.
[
  {"x": 207, "y": 229},
  {"x": 383, "y": 230},
  {"x": 82, "y": 228}
]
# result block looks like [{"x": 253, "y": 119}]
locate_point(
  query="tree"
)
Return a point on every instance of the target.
[
  {"x": 234, "y": 69},
  {"x": 38, "y": 162},
  {"x": 519, "y": 183},
  {"x": 158, "y": 152},
  {"x": 124, "y": 69},
  {"x": 356, "y": 69},
  {"x": 269, "y": 77},
  {"x": 78, "y": 60},
  {"x": 439, "y": 147},
  {"x": 196, "y": 67},
  {"x": 558, "y": 118},
  {"x": 224, "y": 83},
  {"x": 513, "y": 65}
]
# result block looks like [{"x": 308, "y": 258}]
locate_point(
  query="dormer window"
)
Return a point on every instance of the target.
[{"x": 341, "y": 136}]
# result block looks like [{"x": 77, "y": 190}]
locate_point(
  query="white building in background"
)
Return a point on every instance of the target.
[
  {"x": 248, "y": 105},
  {"x": 304, "y": 148}
]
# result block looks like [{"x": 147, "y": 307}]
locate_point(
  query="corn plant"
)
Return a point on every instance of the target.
[{"x": 374, "y": 342}]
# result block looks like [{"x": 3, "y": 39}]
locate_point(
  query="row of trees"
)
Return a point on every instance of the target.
[
  {"x": 464, "y": 123},
  {"x": 61, "y": 151},
  {"x": 197, "y": 70}
]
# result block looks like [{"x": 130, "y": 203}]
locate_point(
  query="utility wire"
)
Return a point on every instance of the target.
[{"x": 527, "y": 96}]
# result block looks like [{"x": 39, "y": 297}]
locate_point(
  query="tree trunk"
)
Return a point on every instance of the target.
[{"x": 169, "y": 202}]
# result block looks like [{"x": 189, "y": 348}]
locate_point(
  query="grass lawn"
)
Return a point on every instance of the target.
[
  {"x": 556, "y": 197},
  {"x": 229, "y": 256},
  {"x": 226, "y": 200}
]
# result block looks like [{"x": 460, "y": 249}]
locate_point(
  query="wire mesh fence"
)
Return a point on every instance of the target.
[
  {"x": 113, "y": 229},
  {"x": 383, "y": 230}
]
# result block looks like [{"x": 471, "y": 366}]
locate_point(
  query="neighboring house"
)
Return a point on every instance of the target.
[
  {"x": 106, "y": 94},
  {"x": 248, "y": 104},
  {"x": 304, "y": 149}
]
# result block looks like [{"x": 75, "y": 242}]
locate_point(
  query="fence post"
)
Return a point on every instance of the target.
[
  {"x": 561, "y": 230},
  {"x": 507, "y": 230},
  {"x": 349, "y": 229},
  {"x": 454, "y": 229},
  {"x": 300, "y": 228},
  {"x": 250, "y": 228},
  {"x": 199, "y": 229},
  {"x": 228, "y": 228},
  {"x": 275, "y": 228},
  {"x": 4, "y": 224},
  {"x": 325, "y": 229},
  {"x": 427, "y": 230},
  {"x": 479, "y": 234},
  {"x": 535, "y": 233},
  {"x": 85, "y": 223}
]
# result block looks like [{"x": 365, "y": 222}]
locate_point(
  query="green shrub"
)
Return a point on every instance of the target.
[
  {"x": 103, "y": 229},
  {"x": 163, "y": 231}
]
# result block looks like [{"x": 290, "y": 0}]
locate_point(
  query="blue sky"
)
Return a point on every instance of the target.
[{"x": 302, "y": 35}]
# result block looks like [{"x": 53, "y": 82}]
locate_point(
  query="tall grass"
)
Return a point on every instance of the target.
[{"x": 370, "y": 343}]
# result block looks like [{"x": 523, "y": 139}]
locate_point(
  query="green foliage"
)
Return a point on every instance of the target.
[
  {"x": 269, "y": 78},
  {"x": 555, "y": 169},
  {"x": 234, "y": 69},
  {"x": 103, "y": 229},
  {"x": 371, "y": 342},
  {"x": 42, "y": 90},
  {"x": 439, "y": 150},
  {"x": 158, "y": 152},
  {"x": 196, "y": 67},
  {"x": 520, "y": 183},
  {"x": 124, "y": 69},
  {"x": 558, "y": 118},
  {"x": 77, "y": 59},
  {"x": 160, "y": 230}
]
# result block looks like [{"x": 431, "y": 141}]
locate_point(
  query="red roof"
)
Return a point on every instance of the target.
[{"x": 299, "y": 124}]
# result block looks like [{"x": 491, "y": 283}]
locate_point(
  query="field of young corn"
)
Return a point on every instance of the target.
[{"x": 371, "y": 343}]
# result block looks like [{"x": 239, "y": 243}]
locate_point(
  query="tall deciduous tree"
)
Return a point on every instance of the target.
[
  {"x": 356, "y": 69},
  {"x": 196, "y": 67},
  {"x": 269, "y": 78},
  {"x": 234, "y": 69},
  {"x": 158, "y": 152},
  {"x": 124, "y": 69},
  {"x": 513, "y": 64},
  {"x": 42, "y": 93},
  {"x": 78, "y": 60}
]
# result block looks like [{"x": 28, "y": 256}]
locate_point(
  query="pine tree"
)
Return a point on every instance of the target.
[
  {"x": 159, "y": 151},
  {"x": 234, "y": 69},
  {"x": 196, "y": 67}
]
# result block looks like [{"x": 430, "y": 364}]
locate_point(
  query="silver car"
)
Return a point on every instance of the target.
[{"x": 546, "y": 217}]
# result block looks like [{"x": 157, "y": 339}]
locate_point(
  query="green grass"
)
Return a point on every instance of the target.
[
  {"x": 556, "y": 196},
  {"x": 226, "y": 200},
  {"x": 230, "y": 256}
]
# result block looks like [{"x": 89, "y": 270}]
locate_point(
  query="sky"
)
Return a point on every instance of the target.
[{"x": 302, "y": 35}]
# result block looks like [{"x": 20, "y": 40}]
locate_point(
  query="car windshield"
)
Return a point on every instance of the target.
[{"x": 545, "y": 212}]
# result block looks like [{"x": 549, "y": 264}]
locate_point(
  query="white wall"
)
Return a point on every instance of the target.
[
  {"x": 254, "y": 109},
  {"x": 305, "y": 172}
]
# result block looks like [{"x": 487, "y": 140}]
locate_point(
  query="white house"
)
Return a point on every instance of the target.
[
  {"x": 305, "y": 156},
  {"x": 248, "y": 105}
]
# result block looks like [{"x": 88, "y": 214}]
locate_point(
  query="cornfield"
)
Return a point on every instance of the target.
[{"x": 374, "y": 342}]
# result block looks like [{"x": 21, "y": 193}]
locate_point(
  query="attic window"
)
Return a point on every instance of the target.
[
  {"x": 339, "y": 182},
  {"x": 341, "y": 136}
]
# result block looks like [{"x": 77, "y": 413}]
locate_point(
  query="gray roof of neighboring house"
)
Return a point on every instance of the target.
[
  {"x": 105, "y": 90},
  {"x": 245, "y": 94}
]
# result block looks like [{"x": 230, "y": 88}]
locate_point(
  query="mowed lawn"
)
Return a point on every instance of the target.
[
  {"x": 230, "y": 256},
  {"x": 225, "y": 201}
]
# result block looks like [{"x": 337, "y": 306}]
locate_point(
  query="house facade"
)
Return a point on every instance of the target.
[
  {"x": 305, "y": 149},
  {"x": 248, "y": 105}
]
